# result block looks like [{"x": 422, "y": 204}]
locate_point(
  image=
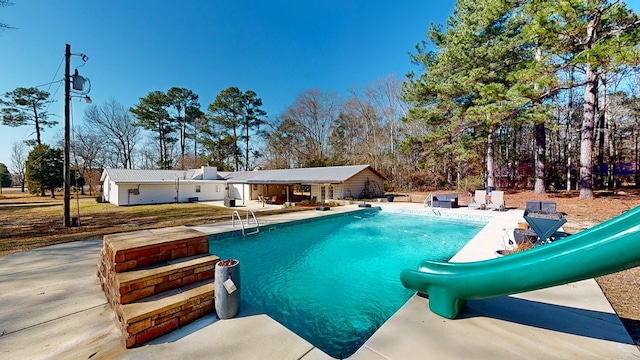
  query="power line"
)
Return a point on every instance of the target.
[
  {"x": 49, "y": 83},
  {"x": 53, "y": 79},
  {"x": 56, "y": 74},
  {"x": 53, "y": 96},
  {"x": 52, "y": 82}
]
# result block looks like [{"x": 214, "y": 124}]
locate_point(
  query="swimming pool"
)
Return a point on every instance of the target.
[{"x": 334, "y": 281}]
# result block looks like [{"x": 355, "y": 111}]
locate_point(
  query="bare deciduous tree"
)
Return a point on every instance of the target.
[
  {"x": 117, "y": 127},
  {"x": 18, "y": 162},
  {"x": 312, "y": 116},
  {"x": 86, "y": 147},
  {"x": 4, "y": 26}
]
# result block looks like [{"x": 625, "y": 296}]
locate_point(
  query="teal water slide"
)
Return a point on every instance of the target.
[{"x": 606, "y": 248}]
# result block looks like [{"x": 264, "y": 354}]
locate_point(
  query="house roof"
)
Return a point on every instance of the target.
[{"x": 316, "y": 175}]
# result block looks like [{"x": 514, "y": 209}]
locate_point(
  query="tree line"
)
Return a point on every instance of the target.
[
  {"x": 501, "y": 78},
  {"x": 234, "y": 133},
  {"x": 537, "y": 93}
]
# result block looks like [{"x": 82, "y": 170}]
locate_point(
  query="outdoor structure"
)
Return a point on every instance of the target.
[
  {"x": 327, "y": 183},
  {"x": 134, "y": 187},
  {"x": 125, "y": 187}
]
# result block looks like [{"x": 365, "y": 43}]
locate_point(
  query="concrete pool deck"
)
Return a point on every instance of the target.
[{"x": 52, "y": 307}]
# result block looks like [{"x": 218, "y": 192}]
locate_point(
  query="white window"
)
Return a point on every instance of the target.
[{"x": 197, "y": 188}]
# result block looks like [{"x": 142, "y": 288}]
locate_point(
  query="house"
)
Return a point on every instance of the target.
[
  {"x": 137, "y": 187},
  {"x": 132, "y": 187}
]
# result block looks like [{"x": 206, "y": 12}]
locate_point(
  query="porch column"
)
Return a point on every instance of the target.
[{"x": 265, "y": 188}]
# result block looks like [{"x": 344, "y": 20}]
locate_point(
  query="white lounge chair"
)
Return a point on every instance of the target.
[
  {"x": 479, "y": 201},
  {"x": 496, "y": 201}
]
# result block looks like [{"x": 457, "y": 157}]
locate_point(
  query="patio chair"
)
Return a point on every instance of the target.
[
  {"x": 273, "y": 199},
  {"x": 497, "y": 201},
  {"x": 479, "y": 201}
]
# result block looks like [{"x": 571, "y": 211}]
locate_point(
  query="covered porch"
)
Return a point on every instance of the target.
[
  {"x": 289, "y": 193},
  {"x": 315, "y": 185}
]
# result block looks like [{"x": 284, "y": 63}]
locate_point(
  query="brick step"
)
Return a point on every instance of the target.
[
  {"x": 162, "y": 313},
  {"x": 142, "y": 282},
  {"x": 126, "y": 251}
]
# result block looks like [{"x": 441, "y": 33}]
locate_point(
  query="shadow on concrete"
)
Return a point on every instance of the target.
[
  {"x": 246, "y": 310},
  {"x": 570, "y": 320},
  {"x": 633, "y": 327}
]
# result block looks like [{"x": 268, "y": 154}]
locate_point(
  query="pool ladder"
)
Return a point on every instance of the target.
[
  {"x": 429, "y": 200},
  {"x": 236, "y": 214}
]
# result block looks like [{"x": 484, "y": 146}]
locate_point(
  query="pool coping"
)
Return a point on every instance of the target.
[
  {"x": 567, "y": 321},
  {"x": 219, "y": 231},
  {"x": 55, "y": 309}
]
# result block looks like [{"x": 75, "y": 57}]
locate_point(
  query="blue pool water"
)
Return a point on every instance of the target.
[{"x": 335, "y": 281}]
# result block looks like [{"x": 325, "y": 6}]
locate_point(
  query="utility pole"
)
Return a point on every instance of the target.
[{"x": 67, "y": 170}]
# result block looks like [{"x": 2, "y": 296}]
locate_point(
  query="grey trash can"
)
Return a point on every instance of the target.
[{"x": 227, "y": 288}]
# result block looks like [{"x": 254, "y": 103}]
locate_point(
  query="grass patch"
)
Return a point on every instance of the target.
[{"x": 30, "y": 222}]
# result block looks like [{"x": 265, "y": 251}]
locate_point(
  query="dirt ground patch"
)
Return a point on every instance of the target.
[{"x": 30, "y": 222}]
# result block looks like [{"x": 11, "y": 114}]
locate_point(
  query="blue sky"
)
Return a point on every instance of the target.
[{"x": 276, "y": 48}]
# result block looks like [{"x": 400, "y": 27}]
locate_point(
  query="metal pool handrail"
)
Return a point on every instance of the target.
[
  {"x": 430, "y": 198},
  {"x": 255, "y": 220}
]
